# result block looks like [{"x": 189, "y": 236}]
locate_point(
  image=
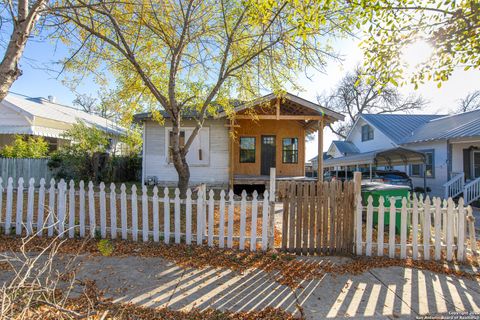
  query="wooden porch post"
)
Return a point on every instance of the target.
[
  {"x": 320, "y": 151},
  {"x": 231, "y": 149}
]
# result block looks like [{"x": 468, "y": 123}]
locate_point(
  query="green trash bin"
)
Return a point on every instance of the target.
[{"x": 377, "y": 190}]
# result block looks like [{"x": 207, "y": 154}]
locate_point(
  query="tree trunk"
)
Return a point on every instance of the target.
[
  {"x": 22, "y": 28},
  {"x": 179, "y": 159}
]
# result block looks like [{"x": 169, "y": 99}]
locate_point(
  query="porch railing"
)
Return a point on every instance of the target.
[
  {"x": 454, "y": 186},
  {"x": 471, "y": 191}
]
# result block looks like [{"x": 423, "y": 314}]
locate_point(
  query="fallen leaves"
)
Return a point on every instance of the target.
[{"x": 284, "y": 267}]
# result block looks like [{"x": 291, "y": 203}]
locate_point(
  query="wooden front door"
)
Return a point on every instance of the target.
[{"x": 268, "y": 154}]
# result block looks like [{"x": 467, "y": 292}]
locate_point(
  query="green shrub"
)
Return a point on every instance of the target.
[
  {"x": 105, "y": 247},
  {"x": 26, "y": 147}
]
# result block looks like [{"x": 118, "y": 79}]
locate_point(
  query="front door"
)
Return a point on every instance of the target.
[{"x": 268, "y": 154}]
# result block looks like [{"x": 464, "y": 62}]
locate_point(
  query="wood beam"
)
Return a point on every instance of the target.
[
  {"x": 231, "y": 133},
  {"x": 278, "y": 109},
  {"x": 277, "y": 117},
  {"x": 320, "y": 151}
]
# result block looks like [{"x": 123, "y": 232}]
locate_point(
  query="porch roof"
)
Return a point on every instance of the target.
[
  {"x": 385, "y": 157},
  {"x": 33, "y": 130}
]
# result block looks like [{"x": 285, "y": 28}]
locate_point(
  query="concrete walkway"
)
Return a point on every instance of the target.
[{"x": 380, "y": 293}]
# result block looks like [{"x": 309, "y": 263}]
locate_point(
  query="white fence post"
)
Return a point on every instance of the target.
[
  {"x": 415, "y": 227},
  {"x": 358, "y": 227},
  {"x": 381, "y": 226},
  {"x": 265, "y": 209},
  {"x": 103, "y": 211},
  {"x": 231, "y": 208},
  {"x": 271, "y": 217},
  {"x": 437, "y": 220},
  {"x": 177, "y": 215},
  {"x": 145, "y": 227},
  {"x": 19, "y": 215},
  {"x": 9, "y": 207},
  {"x": 253, "y": 227},
  {"x": 166, "y": 216},
  {"x": 391, "y": 228},
  {"x": 81, "y": 200},
  {"x": 221, "y": 229},
  {"x": 123, "y": 211},
  {"x": 243, "y": 217},
  {"x": 30, "y": 202},
  {"x": 113, "y": 211},
  {"x": 403, "y": 229},
  {"x": 461, "y": 231},
  {"x": 156, "y": 225},
  {"x": 199, "y": 216},
  {"x": 211, "y": 206},
  {"x": 91, "y": 209},
  {"x": 426, "y": 229},
  {"x": 134, "y": 213},
  {"x": 51, "y": 208},
  {"x": 41, "y": 207},
  {"x": 188, "y": 218},
  {"x": 71, "y": 209},
  {"x": 62, "y": 207},
  {"x": 450, "y": 227},
  {"x": 368, "y": 248}
]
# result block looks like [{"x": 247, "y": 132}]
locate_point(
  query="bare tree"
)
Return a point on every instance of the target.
[
  {"x": 98, "y": 106},
  {"x": 470, "y": 102},
  {"x": 23, "y": 16},
  {"x": 357, "y": 94},
  {"x": 191, "y": 56}
]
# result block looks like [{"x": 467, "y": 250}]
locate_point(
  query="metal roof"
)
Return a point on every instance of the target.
[
  {"x": 345, "y": 147},
  {"x": 385, "y": 157},
  {"x": 239, "y": 106},
  {"x": 398, "y": 126},
  {"x": 43, "y": 108},
  {"x": 463, "y": 125}
]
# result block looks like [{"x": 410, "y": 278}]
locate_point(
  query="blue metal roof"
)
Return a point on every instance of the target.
[
  {"x": 398, "y": 126},
  {"x": 463, "y": 125},
  {"x": 345, "y": 147}
]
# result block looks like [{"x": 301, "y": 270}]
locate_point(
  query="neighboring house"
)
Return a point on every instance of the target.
[
  {"x": 43, "y": 117},
  {"x": 268, "y": 132},
  {"x": 450, "y": 143}
]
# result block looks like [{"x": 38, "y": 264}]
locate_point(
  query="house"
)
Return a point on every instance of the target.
[
  {"x": 43, "y": 117},
  {"x": 450, "y": 143},
  {"x": 240, "y": 148}
]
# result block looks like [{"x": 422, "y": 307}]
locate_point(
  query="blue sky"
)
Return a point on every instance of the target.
[{"x": 37, "y": 80}]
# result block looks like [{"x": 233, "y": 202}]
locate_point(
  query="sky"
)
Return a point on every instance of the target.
[{"x": 38, "y": 80}]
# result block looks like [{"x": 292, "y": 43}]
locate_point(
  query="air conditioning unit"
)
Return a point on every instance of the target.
[{"x": 151, "y": 181}]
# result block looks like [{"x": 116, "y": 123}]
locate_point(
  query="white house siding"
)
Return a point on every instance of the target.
[
  {"x": 379, "y": 141},
  {"x": 440, "y": 166},
  {"x": 215, "y": 172}
]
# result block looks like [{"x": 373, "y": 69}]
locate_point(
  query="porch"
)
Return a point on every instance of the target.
[{"x": 271, "y": 133}]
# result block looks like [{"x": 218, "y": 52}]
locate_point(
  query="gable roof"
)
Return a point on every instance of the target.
[
  {"x": 240, "y": 106},
  {"x": 345, "y": 147},
  {"x": 463, "y": 125},
  {"x": 43, "y": 108},
  {"x": 398, "y": 126}
]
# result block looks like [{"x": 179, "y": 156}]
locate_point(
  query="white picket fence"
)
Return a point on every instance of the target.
[
  {"x": 72, "y": 211},
  {"x": 438, "y": 225}
]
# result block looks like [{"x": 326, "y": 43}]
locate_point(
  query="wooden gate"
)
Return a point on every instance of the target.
[{"x": 318, "y": 218}]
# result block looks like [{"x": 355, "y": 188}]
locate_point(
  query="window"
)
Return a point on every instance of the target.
[
  {"x": 247, "y": 150},
  {"x": 416, "y": 170},
  {"x": 182, "y": 143},
  {"x": 367, "y": 132},
  {"x": 476, "y": 164},
  {"x": 290, "y": 150}
]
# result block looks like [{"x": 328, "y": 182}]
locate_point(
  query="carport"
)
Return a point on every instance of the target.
[{"x": 386, "y": 157}]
